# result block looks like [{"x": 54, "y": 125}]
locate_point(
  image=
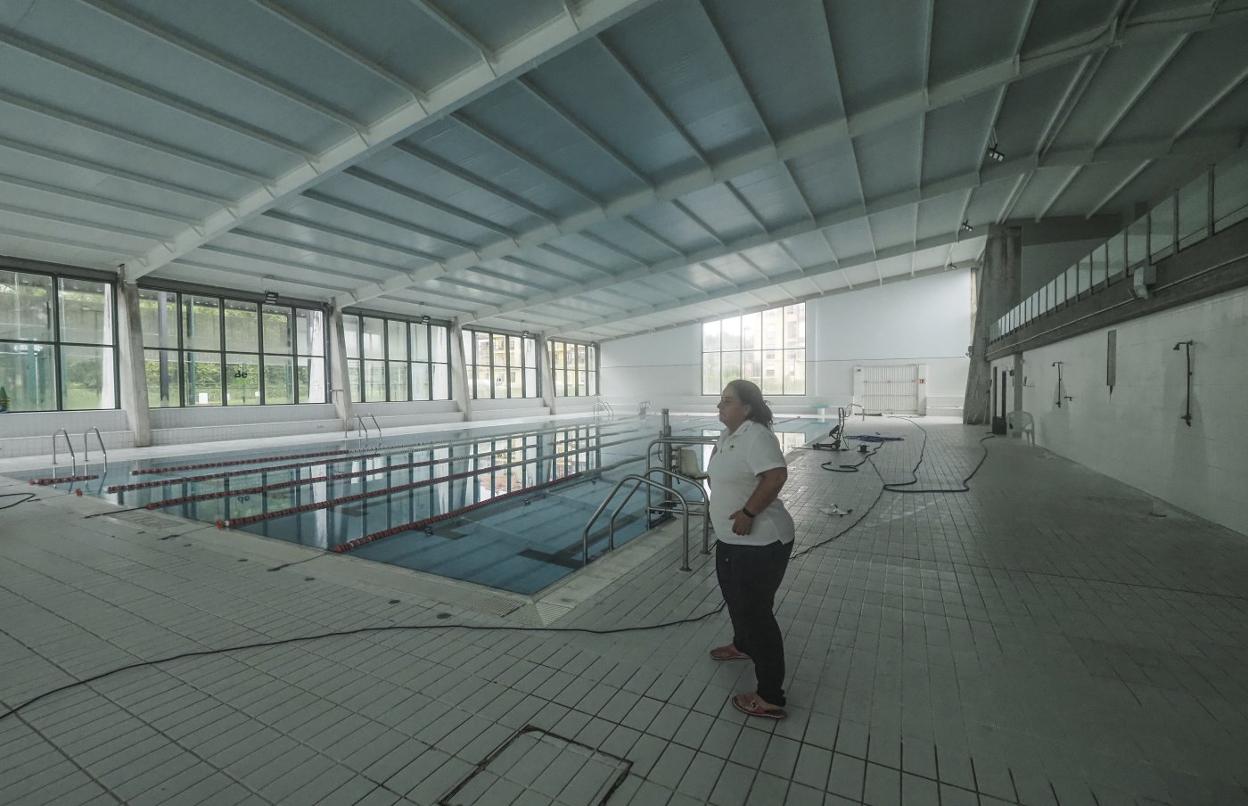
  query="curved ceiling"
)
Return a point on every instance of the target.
[{"x": 597, "y": 168}]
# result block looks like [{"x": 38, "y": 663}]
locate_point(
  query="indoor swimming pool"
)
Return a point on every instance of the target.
[{"x": 501, "y": 507}]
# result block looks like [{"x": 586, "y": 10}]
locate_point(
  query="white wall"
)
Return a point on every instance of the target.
[
  {"x": 923, "y": 321},
  {"x": 1135, "y": 434}
]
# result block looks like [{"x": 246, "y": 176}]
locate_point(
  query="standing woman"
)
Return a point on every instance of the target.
[{"x": 755, "y": 539}]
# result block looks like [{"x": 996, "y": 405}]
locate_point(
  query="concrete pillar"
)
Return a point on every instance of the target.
[
  {"x": 133, "y": 368},
  {"x": 459, "y": 371},
  {"x": 339, "y": 378},
  {"x": 997, "y": 284},
  {"x": 545, "y": 378}
]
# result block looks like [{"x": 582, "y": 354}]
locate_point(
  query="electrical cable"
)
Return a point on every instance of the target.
[
  {"x": 27, "y": 497},
  {"x": 476, "y": 627},
  {"x": 898, "y": 487}
]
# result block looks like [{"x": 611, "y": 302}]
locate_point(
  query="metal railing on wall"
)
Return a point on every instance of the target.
[{"x": 1209, "y": 204}]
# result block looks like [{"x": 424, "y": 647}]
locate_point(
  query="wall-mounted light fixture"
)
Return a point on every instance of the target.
[
  {"x": 270, "y": 297},
  {"x": 966, "y": 226}
]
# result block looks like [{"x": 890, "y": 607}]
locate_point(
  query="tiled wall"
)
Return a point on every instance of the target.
[{"x": 1135, "y": 433}]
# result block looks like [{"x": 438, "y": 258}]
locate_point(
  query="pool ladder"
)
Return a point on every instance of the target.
[
  {"x": 360, "y": 421},
  {"x": 86, "y": 449},
  {"x": 603, "y": 406}
]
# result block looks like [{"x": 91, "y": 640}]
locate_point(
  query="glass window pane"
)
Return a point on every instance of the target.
[
  {"x": 773, "y": 328},
  {"x": 1194, "y": 211},
  {"x": 752, "y": 366},
  {"x": 593, "y": 358},
  {"x": 795, "y": 325},
  {"x": 560, "y": 382},
  {"x": 201, "y": 322},
  {"x": 86, "y": 311},
  {"x": 752, "y": 331},
  {"x": 158, "y": 318},
  {"x": 731, "y": 366},
  {"x": 278, "y": 330},
  {"x": 582, "y": 383},
  {"x": 420, "y": 343},
  {"x": 438, "y": 341},
  {"x": 1098, "y": 265},
  {"x": 1116, "y": 259},
  {"x": 482, "y": 356},
  {"x": 530, "y": 352},
  {"x": 355, "y": 376},
  {"x": 484, "y": 384},
  {"x": 279, "y": 379},
  {"x": 202, "y": 377},
  {"x": 421, "y": 389},
  {"x": 500, "y": 382},
  {"x": 515, "y": 381},
  {"x": 396, "y": 332},
  {"x": 773, "y": 373},
  {"x": 398, "y": 379},
  {"x": 26, "y": 308},
  {"x": 374, "y": 381},
  {"x": 710, "y": 339},
  {"x": 710, "y": 374},
  {"x": 1161, "y": 229},
  {"x": 1230, "y": 193},
  {"x": 310, "y": 332},
  {"x": 515, "y": 352},
  {"x": 441, "y": 382},
  {"x": 582, "y": 357},
  {"x": 795, "y": 372},
  {"x": 311, "y": 371},
  {"x": 593, "y": 383},
  {"x": 351, "y": 332},
  {"x": 559, "y": 356},
  {"x": 242, "y": 379},
  {"x": 731, "y": 336},
  {"x": 164, "y": 384},
  {"x": 374, "y": 338},
  {"x": 530, "y": 383},
  {"x": 241, "y": 334},
  {"x": 27, "y": 377},
  {"x": 500, "y": 352}
]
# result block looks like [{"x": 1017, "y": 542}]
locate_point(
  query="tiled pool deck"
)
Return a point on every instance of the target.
[{"x": 1051, "y": 637}]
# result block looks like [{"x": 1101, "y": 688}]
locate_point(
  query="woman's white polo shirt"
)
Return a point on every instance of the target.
[{"x": 734, "y": 468}]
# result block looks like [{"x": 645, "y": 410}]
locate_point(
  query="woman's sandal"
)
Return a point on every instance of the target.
[
  {"x": 751, "y": 704},
  {"x": 728, "y": 652}
]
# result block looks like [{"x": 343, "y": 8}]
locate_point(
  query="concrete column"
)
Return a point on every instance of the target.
[
  {"x": 459, "y": 371},
  {"x": 339, "y": 378},
  {"x": 133, "y": 368},
  {"x": 997, "y": 284},
  {"x": 545, "y": 378}
]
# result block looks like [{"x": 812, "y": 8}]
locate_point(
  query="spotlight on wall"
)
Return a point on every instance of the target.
[
  {"x": 995, "y": 154},
  {"x": 424, "y": 320},
  {"x": 966, "y": 226},
  {"x": 270, "y": 297},
  {"x": 526, "y": 334}
]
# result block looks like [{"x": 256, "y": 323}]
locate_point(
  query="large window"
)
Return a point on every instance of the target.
[
  {"x": 574, "y": 367},
  {"x": 768, "y": 348},
  {"x": 201, "y": 350},
  {"x": 396, "y": 359},
  {"x": 500, "y": 364},
  {"x": 57, "y": 343}
]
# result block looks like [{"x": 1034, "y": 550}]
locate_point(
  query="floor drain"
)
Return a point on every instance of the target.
[
  {"x": 550, "y": 766},
  {"x": 443, "y": 615},
  {"x": 308, "y": 579},
  {"x": 242, "y": 559},
  {"x": 394, "y": 601}
]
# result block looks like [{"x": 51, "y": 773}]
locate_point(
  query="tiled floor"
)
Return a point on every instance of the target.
[{"x": 1050, "y": 637}]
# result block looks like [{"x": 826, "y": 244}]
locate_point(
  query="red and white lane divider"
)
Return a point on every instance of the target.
[
  {"x": 373, "y": 537},
  {"x": 141, "y": 471},
  {"x": 146, "y": 485},
  {"x": 47, "y": 482}
]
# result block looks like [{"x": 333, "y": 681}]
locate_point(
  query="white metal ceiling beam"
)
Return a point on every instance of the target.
[
  {"x": 1206, "y": 148},
  {"x": 302, "y": 282},
  {"x": 398, "y": 189},
  {"x": 276, "y": 261},
  {"x": 8, "y": 232},
  {"x": 109, "y": 170},
  {"x": 461, "y": 33},
  {"x": 475, "y": 181},
  {"x": 528, "y": 159},
  {"x": 130, "y": 137},
  {"x": 820, "y": 137},
  {"x": 91, "y": 198},
  {"x": 809, "y": 271},
  {"x": 382, "y": 218},
  {"x": 60, "y": 218},
  {"x": 513, "y": 59},
  {"x": 309, "y": 224}
]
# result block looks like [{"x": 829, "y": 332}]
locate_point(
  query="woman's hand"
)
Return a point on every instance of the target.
[{"x": 741, "y": 523}]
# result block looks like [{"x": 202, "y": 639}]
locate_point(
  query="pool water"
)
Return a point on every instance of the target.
[{"x": 504, "y": 508}]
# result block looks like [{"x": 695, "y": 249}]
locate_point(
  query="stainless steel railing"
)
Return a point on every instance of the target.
[
  {"x": 638, "y": 480},
  {"x": 86, "y": 447},
  {"x": 72, "y": 456}
]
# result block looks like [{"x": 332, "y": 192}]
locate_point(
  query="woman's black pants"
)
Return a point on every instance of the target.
[{"x": 749, "y": 577}]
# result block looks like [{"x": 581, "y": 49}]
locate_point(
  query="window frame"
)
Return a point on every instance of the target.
[
  {"x": 57, "y": 343},
  {"x": 784, "y": 349},
  {"x": 429, "y": 364},
  {"x": 594, "y": 370},
  {"x": 468, "y": 344}
]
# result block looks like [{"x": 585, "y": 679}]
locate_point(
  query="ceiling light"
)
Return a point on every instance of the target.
[
  {"x": 995, "y": 154},
  {"x": 270, "y": 297},
  {"x": 966, "y": 226}
]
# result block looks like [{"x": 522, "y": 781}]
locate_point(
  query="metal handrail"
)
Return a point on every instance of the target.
[
  {"x": 73, "y": 457},
  {"x": 86, "y": 448},
  {"x": 606, "y": 407},
  {"x": 611, "y": 538},
  {"x": 706, "y": 505},
  {"x": 669, "y": 440},
  {"x": 376, "y": 424}
]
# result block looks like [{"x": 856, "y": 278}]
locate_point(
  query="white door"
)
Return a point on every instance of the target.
[{"x": 888, "y": 390}]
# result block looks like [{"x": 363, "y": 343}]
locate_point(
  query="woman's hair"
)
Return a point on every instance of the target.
[{"x": 750, "y": 395}]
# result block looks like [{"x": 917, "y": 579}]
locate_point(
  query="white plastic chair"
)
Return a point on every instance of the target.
[{"x": 1020, "y": 422}]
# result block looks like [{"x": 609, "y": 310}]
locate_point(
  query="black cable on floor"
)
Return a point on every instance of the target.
[
  {"x": 899, "y": 487},
  {"x": 25, "y": 497},
  {"x": 468, "y": 627}
]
